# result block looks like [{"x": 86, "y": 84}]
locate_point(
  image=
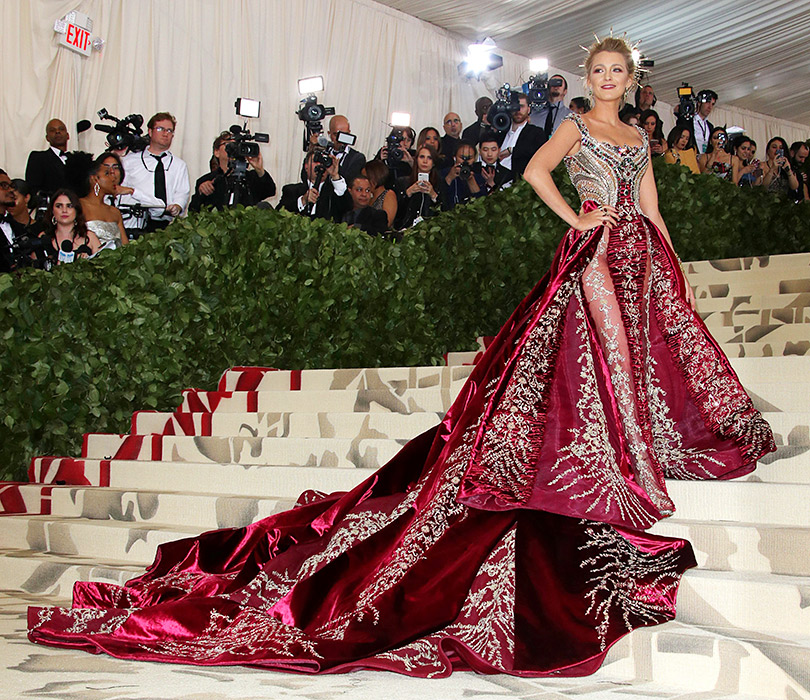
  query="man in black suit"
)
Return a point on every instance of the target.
[
  {"x": 8, "y": 227},
  {"x": 350, "y": 161},
  {"x": 45, "y": 171},
  {"x": 451, "y": 139},
  {"x": 322, "y": 194},
  {"x": 522, "y": 140},
  {"x": 473, "y": 132}
]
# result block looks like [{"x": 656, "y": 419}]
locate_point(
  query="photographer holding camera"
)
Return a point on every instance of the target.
[
  {"x": 222, "y": 188},
  {"x": 523, "y": 139},
  {"x": 550, "y": 115},
  {"x": 322, "y": 192},
  {"x": 159, "y": 178},
  {"x": 463, "y": 180},
  {"x": 701, "y": 126},
  {"x": 398, "y": 153}
]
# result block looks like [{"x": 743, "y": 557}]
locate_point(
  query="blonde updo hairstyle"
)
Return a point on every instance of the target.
[{"x": 613, "y": 44}]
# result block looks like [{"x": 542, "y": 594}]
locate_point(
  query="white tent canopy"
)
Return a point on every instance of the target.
[{"x": 754, "y": 54}]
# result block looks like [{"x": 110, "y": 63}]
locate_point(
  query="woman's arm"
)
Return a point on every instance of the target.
[
  {"x": 538, "y": 174},
  {"x": 390, "y": 206}
]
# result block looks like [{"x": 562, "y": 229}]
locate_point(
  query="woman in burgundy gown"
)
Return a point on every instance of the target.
[{"x": 510, "y": 537}]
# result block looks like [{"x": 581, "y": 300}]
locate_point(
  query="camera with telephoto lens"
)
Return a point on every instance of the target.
[
  {"x": 127, "y": 132},
  {"x": 393, "y": 143},
  {"x": 538, "y": 89},
  {"x": 506, "y": 104}
]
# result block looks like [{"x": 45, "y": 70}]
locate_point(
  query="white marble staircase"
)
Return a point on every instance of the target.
[{"x": 246, "y": 450}]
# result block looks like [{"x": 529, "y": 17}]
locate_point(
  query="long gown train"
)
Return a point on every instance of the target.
[{"x": 509, "y": 538}]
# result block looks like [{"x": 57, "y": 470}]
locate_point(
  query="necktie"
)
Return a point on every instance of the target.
[
  {"x": 160, "y": 178},
  {"x": 549, "y": 127}
]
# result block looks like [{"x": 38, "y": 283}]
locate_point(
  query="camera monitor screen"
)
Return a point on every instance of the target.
[
  {"x": 346, "y": 139},
  {"x": 248, "y": 108}
]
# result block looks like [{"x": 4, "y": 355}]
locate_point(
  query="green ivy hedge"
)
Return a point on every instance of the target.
[{"x": 88, "y": 344}]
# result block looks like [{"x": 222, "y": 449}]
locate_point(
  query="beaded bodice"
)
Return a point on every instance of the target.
[{"x": 604, "y": 172}]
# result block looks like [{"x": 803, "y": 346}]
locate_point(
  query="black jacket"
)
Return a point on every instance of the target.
[
  {"x": 350, "y": 165},
  {"x": 256, "y": 189},
  {"x": 45, "y": 172},
  {"x": 530, "y": 139},
  {"x": 328, "y": 206}
]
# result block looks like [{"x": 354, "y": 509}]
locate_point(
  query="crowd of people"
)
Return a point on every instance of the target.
[{"x": 90, "y": 204}]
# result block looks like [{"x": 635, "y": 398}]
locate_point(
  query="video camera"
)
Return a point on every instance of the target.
[
  {"x": 393, "y": 143},
  {"x": 312, "y": 113},
  {"x": 506, "y": 104},
  {"x": 538, "y": 89},
  {"x": 127, "y": 132},
  {"x": 244, "y": 145},
  {"x": 687, "y": 104},
  {"x": 30, "y": 251}
]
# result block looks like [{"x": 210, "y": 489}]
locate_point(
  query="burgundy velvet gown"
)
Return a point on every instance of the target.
[{"x": 508, "y": 539}]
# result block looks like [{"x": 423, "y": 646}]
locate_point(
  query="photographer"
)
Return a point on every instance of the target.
[
  {"x": 217, "y": 189},
  {"x": 496, "y": 176},
  {"x": 551, "y": 114},
  {"x": 522, "y": 140},
  {"x": 322, "y": 192},
  {"x": 799, "y": 150},
  {"x": 398, "y": 152},
  {"x": 461, "y": 181},
  {"x": 24, "y": 202},
  {"x": 350, "y": 161},
  {"x": 159, "y": 178}
]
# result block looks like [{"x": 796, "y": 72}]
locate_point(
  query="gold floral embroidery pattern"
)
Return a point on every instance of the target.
[
  {"x": 250, "y": 634},
  {"x": 586, "y": 466},
  {"x": 723, "y": 404},
  {"x": 625, "y": 581},
  {"x": 514, "y": 435},
  {"x": 485, "y": 624}
]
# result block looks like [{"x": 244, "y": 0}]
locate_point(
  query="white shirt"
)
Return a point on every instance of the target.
[
  {"x": 140, "y": 175},
  {"x": 5, "y": 227},
  {"x": 702, "y": 133},
  {"x": 539, "y": 117},
  {"x": 61, "y": 154},
  {"x": 509, "y": 142},
  {"x": 339, "y": 186}
]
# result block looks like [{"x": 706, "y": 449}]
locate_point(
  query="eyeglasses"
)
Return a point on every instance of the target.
[
  {"x": 164, "y": 129},
  {"x": 110, "y": 169}
]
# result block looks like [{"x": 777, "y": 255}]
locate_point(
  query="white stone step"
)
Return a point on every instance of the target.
[
  {"x": 754, "y": 303},
  {"x": 328, "y": 452},
  {"x": 727, "y": 601},
  {"x": 96, "y": 539},
  {"x": 679, "y": 655},
  {"x": 752, "y": 547},
  {"x": 388, "y": 378},
  {"x": 33, "y": 671},
  {"x": 741, "y": 501},
  {"x": 339, "y": 401},
  {"x": 776, "y": 265},
  {"x": 304, "y": 425},
  {"x": 48, "y": 574},
  {"x": 721, "y": 286},
  {"x": 755, "y": 333}
]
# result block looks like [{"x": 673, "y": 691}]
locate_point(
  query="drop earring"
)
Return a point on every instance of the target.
[{"x": 96, "y": 189}]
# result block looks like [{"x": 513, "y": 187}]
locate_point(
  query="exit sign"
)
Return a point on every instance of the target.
[{"x": 74, "y": 32}]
